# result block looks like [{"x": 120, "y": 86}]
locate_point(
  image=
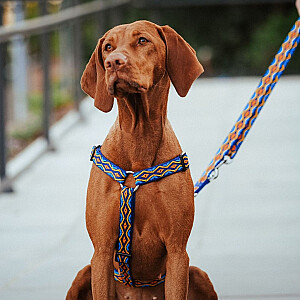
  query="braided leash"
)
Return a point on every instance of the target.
[{"x": 237, "y": 135}]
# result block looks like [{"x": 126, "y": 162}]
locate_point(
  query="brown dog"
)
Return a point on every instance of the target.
[{"x": 134, "y": 63}]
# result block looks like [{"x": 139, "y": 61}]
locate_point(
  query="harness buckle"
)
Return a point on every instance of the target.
[
  {"x": 184, "y": 168},
  {"x": 93, "y": 152}
]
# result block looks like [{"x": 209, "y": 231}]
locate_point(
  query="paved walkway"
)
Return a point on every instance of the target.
[{"x": 247, "y": 225}]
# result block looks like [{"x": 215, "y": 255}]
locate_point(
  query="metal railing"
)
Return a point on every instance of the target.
[{"x": 43, "y": 26}]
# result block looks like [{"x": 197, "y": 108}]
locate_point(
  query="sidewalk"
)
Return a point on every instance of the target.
[{"x": 247, "y": 225}]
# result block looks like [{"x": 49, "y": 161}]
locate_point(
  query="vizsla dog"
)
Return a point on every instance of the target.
[{"x": 135, "y": 63}]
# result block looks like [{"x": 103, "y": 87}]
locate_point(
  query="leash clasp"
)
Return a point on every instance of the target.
[{"x": 215, "y": 172}]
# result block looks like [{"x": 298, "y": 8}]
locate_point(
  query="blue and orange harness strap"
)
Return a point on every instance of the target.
[
  {"x": 127, "y": 204},
  {"x": 236, "y": 136}
]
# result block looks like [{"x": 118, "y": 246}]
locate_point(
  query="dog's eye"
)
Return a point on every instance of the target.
[
  {"x": 108, "y": 47},
  {"x": 142, "y": 41}
]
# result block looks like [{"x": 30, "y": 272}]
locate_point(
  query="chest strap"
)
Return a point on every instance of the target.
[{"x": 127, "y": 204}]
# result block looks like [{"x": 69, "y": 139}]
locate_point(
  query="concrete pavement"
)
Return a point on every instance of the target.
[{"x": 246, "y": 233}]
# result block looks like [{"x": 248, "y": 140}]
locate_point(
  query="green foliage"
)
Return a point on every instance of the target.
[
  {"x": 35, "y": 103},
  {"x": 60, "y": 98},
  {"x": 22, "y": 134},
  {"x": 266, "y": 40},
  {"x": 28, "y": 131},
  {"x": 31, "y": 9},
  {"x": 90, "y": 37},
  {"x": 54, "y": 44},
  {"x": 243, "y": 38}
]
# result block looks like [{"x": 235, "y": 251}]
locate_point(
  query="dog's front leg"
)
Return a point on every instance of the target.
[
  {"x": 176, "y": 286},
  {"x": 103, "y": 284}
]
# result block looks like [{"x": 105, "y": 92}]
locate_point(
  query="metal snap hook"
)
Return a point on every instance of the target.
[
  {"x": 215, "y": 172},
  {"x": 227, "y": 159}
]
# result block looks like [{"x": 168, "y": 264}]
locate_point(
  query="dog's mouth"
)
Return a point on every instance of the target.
[{"x": 117, "y": 84}]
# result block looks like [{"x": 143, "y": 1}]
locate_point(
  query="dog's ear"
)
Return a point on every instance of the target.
[
  {"x": 93, "y": 80},
  {"x": 182, "y": 64}
]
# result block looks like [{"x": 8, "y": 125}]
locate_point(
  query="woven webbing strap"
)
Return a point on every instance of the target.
[
  {"x": 237, "y": 135},
  {"x": 127, "y": 204}
]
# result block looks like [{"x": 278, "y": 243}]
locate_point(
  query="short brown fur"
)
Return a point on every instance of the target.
[{"x": 134, "y": 63}]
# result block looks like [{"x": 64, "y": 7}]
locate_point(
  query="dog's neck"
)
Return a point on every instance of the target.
[
  {"x": 138, "y": 131},
  {"x": 141, "y": 114}
]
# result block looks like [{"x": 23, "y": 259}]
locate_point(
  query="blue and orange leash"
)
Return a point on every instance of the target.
[{"x": 238, "y": 133}]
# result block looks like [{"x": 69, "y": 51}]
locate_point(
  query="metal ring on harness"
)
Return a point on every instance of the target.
[{"x": 136, "y": 186}]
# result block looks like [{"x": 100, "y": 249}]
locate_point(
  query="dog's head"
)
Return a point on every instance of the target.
[{"x": 132, "y": 58}]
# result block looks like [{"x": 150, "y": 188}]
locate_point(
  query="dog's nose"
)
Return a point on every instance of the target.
[{"x": 115, "y": 61}]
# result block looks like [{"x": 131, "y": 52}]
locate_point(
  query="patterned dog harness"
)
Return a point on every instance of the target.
[{"x": 127, "y": 204}]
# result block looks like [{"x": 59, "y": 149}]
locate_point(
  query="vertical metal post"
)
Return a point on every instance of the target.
[
  {"x": 77, "y": 40},
  {"x": 77, "y": 65},
  {"x": 45, "y": 39},
  {"x": 2, "y": 115},
  {"x": 5, "y": 183},
  {"x": 19, "y": 69}
]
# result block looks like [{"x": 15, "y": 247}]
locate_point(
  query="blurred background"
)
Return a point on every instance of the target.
[
  {"x": 247, "y": 227},
  {"x": 42, "y": 58}
]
